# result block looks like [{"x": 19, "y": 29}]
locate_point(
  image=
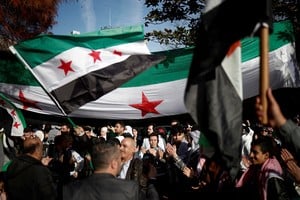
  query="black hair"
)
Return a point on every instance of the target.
[
  {"x": 103, "y": 153},
  {"x": 178, "y": 128},
  {"x": 28, "y": 129},
  {"x": 114, "y": 140},
  {"x": 267, "y": 144},
  {"x": 154, "y": 134},
  {"x": 87, "y": 128},
  {"x": 121, "y": 123}
]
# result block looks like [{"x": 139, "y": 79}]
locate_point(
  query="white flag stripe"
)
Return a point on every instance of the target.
[
  {"x": 232, "y": 67},
  {"x": 134, "y": 48},
  {"x": 17, "y": 125},
  {"x": 32, "y": 93},
  {"x": 116, "y": 103},
  {"x": 82, "y": 63},
  {"x": 282, "y": 69},
  {"x": 16, "y": 120}
]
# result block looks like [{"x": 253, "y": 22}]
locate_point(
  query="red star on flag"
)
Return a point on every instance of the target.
[
  {"x": 13, "y": 113},
  {"x": 147, "y": 106},
  {"x": 95, "y": 55},
  {"x": 16, "y": 125},
  {"x": 66, "y": 66},
  {"x": 26, "y": 102},
  {"x": 119, "y": 53}
]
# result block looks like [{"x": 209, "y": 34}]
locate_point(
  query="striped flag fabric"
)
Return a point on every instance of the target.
[
  {"x": 163, "y": 85},
  {"x": 283, "y": 67},
  {"x": 215, "y": 103},
  {"x": 211, "y": 96},
  {"x": 12, "y": 120},
  {"x": 75, "y": 70},
  {"x": 154, "y": 84}
]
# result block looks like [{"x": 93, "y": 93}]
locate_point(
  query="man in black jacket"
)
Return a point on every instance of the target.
[
  {"x": 27, "y": 177},
  {"x": 103, "y": 184}
]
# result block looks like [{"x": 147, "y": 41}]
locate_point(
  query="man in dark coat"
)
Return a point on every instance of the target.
[
  {"x": 27, "y": 177},
  {"x": 103, "y": 184}
]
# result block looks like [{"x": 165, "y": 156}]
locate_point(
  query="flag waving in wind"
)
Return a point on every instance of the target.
[
  {"x": 11, "y": 118},
  {"x": 211, "y": 96},
  {"x": 75, "y": 70}
]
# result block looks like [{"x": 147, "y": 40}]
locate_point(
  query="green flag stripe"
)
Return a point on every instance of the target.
[
  {"x": 12, "y": 71},
  {"x": 44, "y": 47},
  {"x": 175, "y": 67},
  {"x": 283, "y": 34}
]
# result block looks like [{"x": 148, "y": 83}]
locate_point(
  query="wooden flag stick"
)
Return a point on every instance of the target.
[{"x": 264, "y": 69}]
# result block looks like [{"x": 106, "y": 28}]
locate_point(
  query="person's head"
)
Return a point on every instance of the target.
[
  {"x": 88, "y": 130},
  {"x": 65, "y": 129},
  {"x": 178, "y": 133},
  {"x": 106, "y": 158},
  {"x": 63, "y": 142},
  {"x": 103, "y": 132},
  {"x": 128, "y": 148},
  {"x": 264, "y": 131},
  {"x": 262, "y": 149},
  {"x": 78, "y": 131},
  {"x": 135, "y": 132},
  {"x": 215, "y": 164},
  {"x": 33, "y": 146},
  {"x": 40, "y": 134},
  {"x": 115, "y": 141},
  {"x": 119, "y": 127},
  {"x": 128, "y": 129},
  {"x": 153, "y": 140},
  {"x": 150, "y": 129},
  {"x": 28, "y": 132},
  {"x": 188, "y": 127}
]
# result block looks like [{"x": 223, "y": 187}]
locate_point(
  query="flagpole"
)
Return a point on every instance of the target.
[
  {"x": 12, "y": 49},
  {"x": 264, "y": 69},
  {"x": 71, "y": 122}
]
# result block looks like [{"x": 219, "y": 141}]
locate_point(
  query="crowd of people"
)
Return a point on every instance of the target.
[{"x": 152, "y": 162}]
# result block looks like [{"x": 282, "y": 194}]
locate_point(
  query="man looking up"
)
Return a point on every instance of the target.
[{"x": 27, "y": 177}]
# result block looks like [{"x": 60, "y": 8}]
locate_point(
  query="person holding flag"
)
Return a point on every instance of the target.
[
  {"x": 213, "y": 94},
  {"x": 288, "y": 130}
]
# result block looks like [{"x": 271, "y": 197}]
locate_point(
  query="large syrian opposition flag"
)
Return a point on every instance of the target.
[
  {"x": 75, "y": 70},
  {"x": 210, "y": 95},
  {"x": 158, "y": 91}
]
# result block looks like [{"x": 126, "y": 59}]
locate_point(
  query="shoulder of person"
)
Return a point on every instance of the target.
[
  {"x": 137, "y": 161},
  {"x": 277, "y": 188},
  {"x": 70, "y": 190}
]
